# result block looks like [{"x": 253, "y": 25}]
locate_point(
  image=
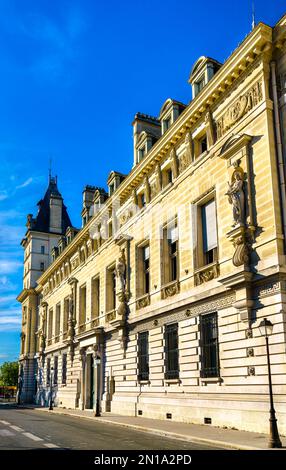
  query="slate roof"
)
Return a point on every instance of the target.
[{"x": 42, "y": 220}]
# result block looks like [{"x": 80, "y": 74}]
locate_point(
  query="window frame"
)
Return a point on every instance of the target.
[
  {"x": 207, "y": 370},
  {"x": 143, "y": 369},
  {"x": 171, "y": 354}
]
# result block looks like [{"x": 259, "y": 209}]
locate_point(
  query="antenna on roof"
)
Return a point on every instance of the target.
[
  {"x": 253, "y": 16},
  {"x": 50, "y": 169}
]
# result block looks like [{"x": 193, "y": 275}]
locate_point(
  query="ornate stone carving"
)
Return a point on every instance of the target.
[
  {"x": 249, "y": 352},
  {"x": 189, "y": 152},
  {"x": 120, "y": 270},
  {"x": 206, "y": 274},
  {"x": 125, "y": 217},
  {"x": 236, "y": 196},
  {"x": 241, "y": 236},
  {"x": 251, "y": 370},
  {"x": 110, "y": 316},
  {"x": 94, "y": 323},
  {"x": 174, "y": 162},
  {"x": 143, "y": 301},
  {"x": 242, "y": 250},
  {"x": 239, "y": 108},
  {"x": 248, "y": 333},
  {"x": 170, "y": 289},
  {"x": 211, "y": 133}
]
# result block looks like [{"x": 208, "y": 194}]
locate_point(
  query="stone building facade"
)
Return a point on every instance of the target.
[{"x": 153, "y": 307}]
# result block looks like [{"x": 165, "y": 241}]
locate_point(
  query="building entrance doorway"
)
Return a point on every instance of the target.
[{"x": 89, "y": 383}]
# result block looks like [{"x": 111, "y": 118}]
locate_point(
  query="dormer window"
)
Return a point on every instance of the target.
[
  {"x": 170, "y": 111},
  {"x": 166, "y": 124},
  {"x": 111, "y": 189},
  {"x": 203, "y": 144},
  {"x": 199, "y": 85},
  {"x": 167, "y": 176},
  {"x": 202, "y": 72},
  {"x": 141, "y": 154},
  {"x": 114, "y": 180},
  {"x": 142, "y": 200}
]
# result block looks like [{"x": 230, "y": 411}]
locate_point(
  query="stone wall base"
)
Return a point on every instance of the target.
[{"x": 241, "y": 415}]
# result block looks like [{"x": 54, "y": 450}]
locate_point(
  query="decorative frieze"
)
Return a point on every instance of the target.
[
  {"x": 207, "y": 273},
  {"x": 265, "y": 290},
  {"x": 170, "y": 289},
  {"x": 214, "y": 305},
  {"x": 239, "y": 108},
  {"x": 143, "y": 301}
]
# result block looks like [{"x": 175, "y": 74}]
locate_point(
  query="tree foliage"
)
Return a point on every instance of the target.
[{"x": 9, "y": 374}]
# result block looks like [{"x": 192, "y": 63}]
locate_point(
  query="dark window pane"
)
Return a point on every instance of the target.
[
  {"x": 171, "y": 352},
  {"x": 64, "y": 369},
  {"x": 209, "y": 346},
  {"x": 143, "y": 356}
]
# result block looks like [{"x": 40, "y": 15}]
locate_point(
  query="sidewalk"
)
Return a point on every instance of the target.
[{"x": 226, "y": 438}]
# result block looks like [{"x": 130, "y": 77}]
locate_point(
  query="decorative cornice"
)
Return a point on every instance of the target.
[{"x": 25, "y": 293}]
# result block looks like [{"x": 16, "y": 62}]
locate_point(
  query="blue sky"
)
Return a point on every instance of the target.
[{"x": 73, "y": 74}]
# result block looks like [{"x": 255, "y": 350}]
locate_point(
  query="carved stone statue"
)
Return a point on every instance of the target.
[
  {"x": 42, "y": 341},
  {"x": 120, "y": 270},
  {"x": 236, "y": 197},
  {"x": 71, "y": 309}
]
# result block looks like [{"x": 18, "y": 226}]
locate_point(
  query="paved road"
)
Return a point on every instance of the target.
[{"x": 29, "y": 429}]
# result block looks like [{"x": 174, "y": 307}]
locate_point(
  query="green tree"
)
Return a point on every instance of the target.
[{"x": 9, "y": 374}]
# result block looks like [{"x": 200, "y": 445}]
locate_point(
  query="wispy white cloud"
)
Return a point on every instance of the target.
[
  {"x": 25, "y": 184},
  {"x": 4, "y": 356},
  {"x": 7, "y": 298},
  {"x": 9, "y": 266},
  {"x": 3, "y": 195}
]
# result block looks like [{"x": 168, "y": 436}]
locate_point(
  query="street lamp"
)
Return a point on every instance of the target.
[
  {"x": 266, "y": 328},
  {"x": 51, "y": 390}
]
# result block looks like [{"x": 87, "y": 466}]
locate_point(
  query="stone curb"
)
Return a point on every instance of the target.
[{"x": 181, "y": 437}]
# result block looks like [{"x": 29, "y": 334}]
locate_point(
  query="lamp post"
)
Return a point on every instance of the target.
[
  {"x": 51, "y": 390},
  {"x": 266, "y": 328}
]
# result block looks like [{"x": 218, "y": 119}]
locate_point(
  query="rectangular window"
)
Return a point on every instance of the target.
[
  {"x": 203, "y": 145},
  {"x": 209, "y": 232},
  {"x": 82, "y": 305},
  {"x": 142, "y": 200},
  {"x": 95, "y": 297},
  {"x": 141, "y": 153},
  {"x": 146, "y": 269},
  {"x": 64, "y": 369},
  {"x": 50, "y": 325},
  {"x": 169, "y": 176},
  {"x": 166, "y": 124},
  {"x": 170, "y": 253},
  {"x": 58, "y": 320},
  {"x": 110, "y": 289},
  {"x": 171, "y": 352},
  {"x": 42, "y": 266},
  {"x": 143, "y": 356},
  {"x": 209, "y": 346},
  {"x": 56, "y": 361},
  {"x": 42, "y": 250},
  {"x": 66, "y": 314},
  {"x": 48, "y": 370}
]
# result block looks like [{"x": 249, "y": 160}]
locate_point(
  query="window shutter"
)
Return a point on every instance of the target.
[{"x": 209, "y": 226}]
